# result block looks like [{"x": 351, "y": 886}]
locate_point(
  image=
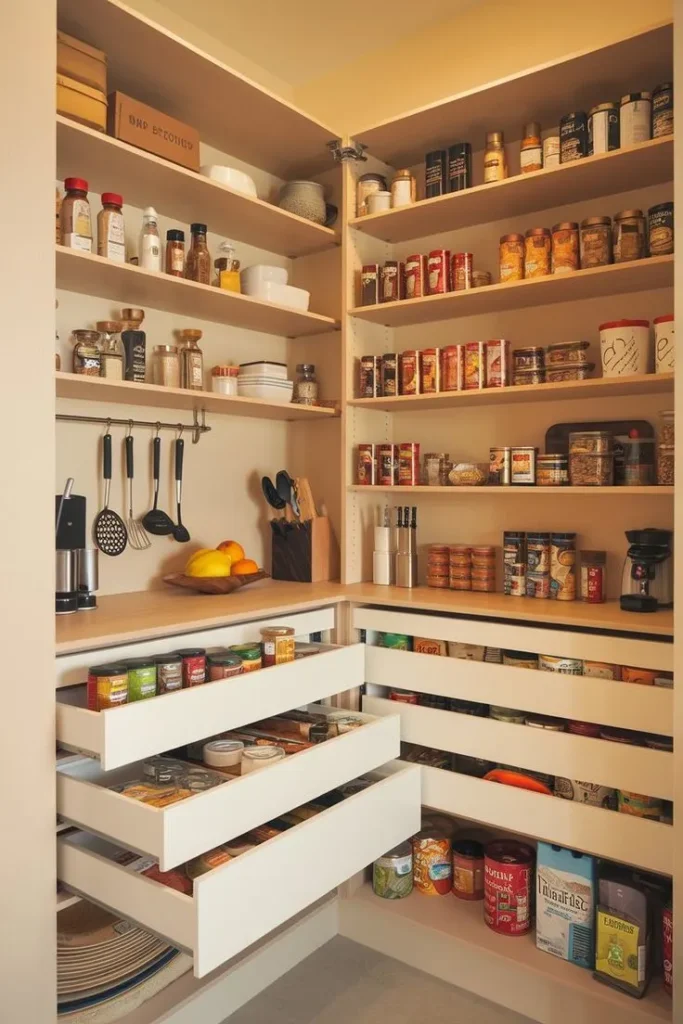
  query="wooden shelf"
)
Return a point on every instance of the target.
[
  {"x": 647, "y": 164},
  {"x": 510, "y": 492},
  {"x": 98, "y": 389},
  {"x": 539, "y": 93},
  {"x": 184, "y": 195},
  {"x": 640, "y": 275},
  {"x": 448, "y": 938},
  {"x": 499, "y": 606},
  {"x": 131, "y": 285},
  {"x": 597, "y": 387},
  {"x": 228, "y": 110}
]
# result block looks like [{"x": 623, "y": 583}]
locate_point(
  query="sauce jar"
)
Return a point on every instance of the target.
[
  {"x": 194, "y": 666},
  {"x": 250, "y": 655},
  {"x": 537, "y": 246},
  {"x": 278, "y": 645},
  {"x": 511, "y": 257},
  {"x": 107, "y": 686},
  {"x": 596, "y": 242},
  {"x": 223, "y": 666},
  {"x": 468, "y": 869},
  {"x": 593, "y": 587},
  {"x": 565, "y": 247},
  {"x": 169, "y": 673},
  {"x": 628, "y": 236}
]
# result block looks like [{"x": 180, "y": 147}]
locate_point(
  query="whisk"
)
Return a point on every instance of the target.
[{"x": 136, "y": 532}]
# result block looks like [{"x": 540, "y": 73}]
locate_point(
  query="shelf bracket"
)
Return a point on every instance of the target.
[{"x": 343, "y": 153}]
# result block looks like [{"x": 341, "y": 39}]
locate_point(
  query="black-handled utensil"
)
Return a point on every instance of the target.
[
  {"x": 287, "y": 491},
  {"x": 271, "y": 495},
  {"x": 157, "y": 521},
  {"x": 180, "y": 532},
  {"x": 136, "y": 534},
  {"x": 109, "y": 529}
]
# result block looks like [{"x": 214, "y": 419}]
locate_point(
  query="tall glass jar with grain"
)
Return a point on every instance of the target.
[
  {"x": 191, "y": 360},
  {"x": 166, "y": 366},
  {"x": 87, "y": 353},
  {"x": 198, "y": 264},
  {"x": 111, "y": 365},
  {"x": 306, "y": 385}
]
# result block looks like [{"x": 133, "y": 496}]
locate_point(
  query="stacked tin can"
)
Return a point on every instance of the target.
[
  {"x": 438, "y": 566},
  {"x": 460, "y": 567},
  {"x": 539, "y": 565},
  {"x": 484, "y": 568},
  {"x": 514, "y": 563}
]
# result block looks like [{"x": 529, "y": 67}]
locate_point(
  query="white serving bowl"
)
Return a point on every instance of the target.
[
  {"x": 262, "y": 368},
  {"x": 252, "y": 277},
  {"x": 282, "y": 294},
  {"x": 271, "y": 394},
  {"x": 230, "y": 176}
]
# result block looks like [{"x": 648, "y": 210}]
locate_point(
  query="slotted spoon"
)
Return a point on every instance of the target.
[
  {"x": 136, "y": 533},
  {"x": 109, "y": 529}
]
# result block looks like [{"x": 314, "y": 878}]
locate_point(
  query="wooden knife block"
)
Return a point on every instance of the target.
[{"x": 304, "y": 552}]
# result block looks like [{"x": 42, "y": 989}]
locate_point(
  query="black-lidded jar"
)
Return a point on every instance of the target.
[
  {"x": 169, "y": 673},
  {"x": 661, "y": 229}
]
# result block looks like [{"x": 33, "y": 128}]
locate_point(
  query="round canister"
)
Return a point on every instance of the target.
[
  {"x": 586, "y": 793},
  {"x": 223, "y": 665},
  {"x": 222, "y": 753},
  {"x": 625, "y": 347},
  {"x": 468, "y": 869},
  {"x": 392, "y": 874},
  {"x": 601, "y": 670},
  {"x": 254, "y": 758},
  {"x": 432, "y": 863},
  {"x": 568, "y": 666},
  {"x": 664, "y": 343},
  {"x": 508, "y": 878}
]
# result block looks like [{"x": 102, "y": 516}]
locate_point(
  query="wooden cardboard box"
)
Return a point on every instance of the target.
[
  {"x": 81, "y": 103},
  {"x": 149, "y": 129},
  {"x": 305, "y": 552},
  {"x": 85, "y": 63}
]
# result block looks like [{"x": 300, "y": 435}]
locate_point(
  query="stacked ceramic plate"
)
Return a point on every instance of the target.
[
  {"x": 265, "y": 380},
  {"x": 104, "y": 960}
]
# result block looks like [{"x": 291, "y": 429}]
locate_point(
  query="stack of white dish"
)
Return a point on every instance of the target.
[
  {"x": 270, "y": 284},
  {"x": 265, "y": 380},
  {"x": 238, "y": 181}
]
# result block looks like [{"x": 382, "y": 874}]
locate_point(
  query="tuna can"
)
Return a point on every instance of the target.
[
  {"x": 432, "y": 863},
  {"x": 508, "y": 877},
  {"x": 510, "y": 715},
  {"x": 586, "y": 793},
  {"x": 573, "y": 136},
  {"x": 603, "y": 128},
  {"x": 468, "y": 869},
  {"x": 663, "y": 110},
  {"x": 566, "y": 666},
  {"x": 392, "y": 874}
]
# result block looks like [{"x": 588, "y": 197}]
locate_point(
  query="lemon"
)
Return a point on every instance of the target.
[{"x": 209, "y": 563}]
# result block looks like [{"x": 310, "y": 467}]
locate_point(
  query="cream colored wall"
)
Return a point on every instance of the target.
[{"x": 485, "y": 42}]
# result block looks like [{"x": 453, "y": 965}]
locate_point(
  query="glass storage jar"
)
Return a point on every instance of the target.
[
  {"x": 639, "y": 460},
  {"x": 306, "y": 385},
  {"x": 224, "y": 379},
  {"x": 111, "y": 356},
  {"x": 87, "y": 358},
  {"x": 191, "y": 360},
  {"x": 591, "y": 459},
  {"x": 166, "y": 367}
]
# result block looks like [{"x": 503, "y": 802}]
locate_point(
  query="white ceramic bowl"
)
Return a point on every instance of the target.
[
  {"x": 282, "y": 294},
  {"x": 277, "y": 371},
  {"x": 265, "y": 391},
  {"x": 230, "y": 176},
  {"x": 252, "y": 277}
]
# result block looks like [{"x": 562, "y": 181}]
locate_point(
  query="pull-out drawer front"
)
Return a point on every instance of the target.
[
  {"x": 72, "y": 669},
  {"x": 122, "y": 735},
  {"x": 176, "y": 833},
  {"x": 238, "y": 903}
]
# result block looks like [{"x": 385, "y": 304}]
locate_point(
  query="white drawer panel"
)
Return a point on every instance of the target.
[
  {"x": 637, "y": 769},
  {"x": 625, "y": 705},
  {"x": 245, "y": 899},
  {"x": 604, "y": 833},
  {"x": 655, "y": 654},
  {"x": 72, "y": 669},
  {"x": 176, "y": 833},
  {"x": 126, "y": 734}
]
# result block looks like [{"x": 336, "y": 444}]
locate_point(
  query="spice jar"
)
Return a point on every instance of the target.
[
  {"x": 639, "y": 460},
  {"x": 495, "y": 161},
  {"x": 224, "y": 379},
  {"x": 111, "y": 349},
  {"x": 628, "y": 236},
  {"x": 74, "y": 216},
  {"x": 87, "y": 355},
  {"x": 511, "y": 257},
  {"x": 666, "y": 450},
  {"x": 111, "y": 241},
  {"x": 198, "y": 264},
  {"x": 531, "y": 153},
  {"x": 368, "y": 183},
  {"x": 565, "y": 247},
  {"x": 403, "y": 189},
  {"x": 306, "y": 385},
  {"x": 175, "y": 253},
  {"x": 191, "y": 360},
  {"x": 166, "y": 366},
  {"x": 537, "y": 246},
  {"x": 593, "y": 586},
  {"x": 596, "y": 242}
]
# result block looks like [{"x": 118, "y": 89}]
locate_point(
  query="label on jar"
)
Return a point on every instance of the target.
[
  {"x": 635, "y": 122},
  {"x": 595, "y": 246},
  {"x": 169, "y": 677},
  {"x": 115, "y": 246},
  {"x": 565, "y": 250},
  {"x": 177, "y": 259},
  {"x": 531, "y": 159},
  {"x": 494, "y": 168}
]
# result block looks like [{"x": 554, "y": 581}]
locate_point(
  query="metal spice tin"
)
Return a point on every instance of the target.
[
  {"x": 410, "y": 372},
  {"x": 537, "y": 252},
  {"x": 432, "y": 863},
  {"x": 468, "y": 869},
  {"x": 392, "y": 874},
  {"x": 565, "y": 247},
  {"x": 435, "y": 173},
  {"x": 169, "y": 673},
  {"x": 511, "y": 257},
  {"x": 369, "y": 377},
  {"x": 438, "y": 272},
  {"x": 453, "y": 368},
  {"x": 498, "y": 368},
  {"x": 499, "y": 466},
  {"x": 603, "y": 128},
  {"x": 475, "y": 366},
  {"x": 430, "y": 371},
  {"x": 391, "y": 282},
  {"x": 142, "y": 678},
  {"x": 415, "y": 273},
  {"x": 563, "y": 567},
  {"x": 365, "y": 473},
  {"x": 551, "y": 470},
  {"x": 408, "y": 464},
  {"x": 523, "y": 465},
  {"x": 661, "y": 229},
  {"x": 461, "y": 271},
  {"x": 663, "y": 110},
  {"x": 107, "y": 686},
  {"x": 387, "y": 465},
  {"x": 460, "y": 166},
  {"x": 369, "y": 284},
  {"x": 508, "y": 875},
  {"x": 573, "y": 136},
  {"x": 596, "y": 242},
  {"x": 389, "y": 374}
]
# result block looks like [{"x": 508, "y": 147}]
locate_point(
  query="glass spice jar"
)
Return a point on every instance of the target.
[
  {"x": 198, "y": 264},
  {"x": 191, "y": 360},
  {"x": 596, "y": 242},
  {"x": 111, "y": 239},
  {"x": 565, "y": 247},
  {"x": 537, "y": 246},
  {"x": 166, "y": 366},
  {"x": 593, "y": 585},
  {"x": 306, "y": 385},
  {"x": 111, "y": 347},
  {"x": 74, "y": 215},
  {"x": 175, "y": 253},
  {"x": 87, "y": 357}
]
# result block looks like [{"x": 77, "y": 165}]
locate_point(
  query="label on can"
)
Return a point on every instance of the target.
[
  {"x": 430, "y": 371},
  {"x": 366, "y": 464},
  {"x": 387, "y": 465},
  {"x": 389, "y": 374},
  {"x": 432, "y": 864},
  {"x": 369, "y": 377},
  {"x": 169, "y": 676},
  {"x": 453, "y": 368},
  {"x": 410, "y": 372},
  {"x": 508, "y": 871},
  {"x": 142, "y": 682},
  {"x": 408, "y": 464},
  {"x": 567, "y": 666},
  {"x": 586, "y": 793},
  {"x": 194, "y": 670},
  {"x": 474, "y": 365},
  {"x": 461, "y": 273},
  {"x": 438, "y": 271},
  {"x": 415, "y": 275},
  {"x": 498, "y": 363}
]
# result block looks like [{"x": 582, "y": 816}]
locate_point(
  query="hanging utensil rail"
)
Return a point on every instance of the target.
[{"x": 197, "y": 427}]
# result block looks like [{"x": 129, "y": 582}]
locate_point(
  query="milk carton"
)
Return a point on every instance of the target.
[{"x": 565, "y": 904}]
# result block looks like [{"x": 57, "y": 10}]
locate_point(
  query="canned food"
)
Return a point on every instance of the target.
[
  {"x": 638, "y": 675},
  {"x": 573, "y": 136},
  {"x": 408, "y": 464},
  {"x": 461, "y": 272},
  {"x": 551, "y": 470},
  {"x": 365, "y": 472},
  {"x": 668, "y": 941},
  {"x": 520, "y": 659},
  {"x": 223, "y": 666},
  {"x": 567, "y": 666},
  {"x": 387, "y": 465},
  {"x": 545, "y": 722},
  {"x": 498, "y": 368},
  {"x": 369, "y": 377},
  {"x": 250, "y": 655},
  {"x": 391, "y": 284},
  {"x": 661, "y": 229},
  {"x": 415, "y": 276},
  {"x": 369, "y": 284},
  {"x": 511, "y": 258},
  {"x": 392, "y": 874},
  {"x": 432, "y": 863},
  {"x": 663, "y": 110},
  {"x": 453, "y": 368},
  {"x": 389, "y": 374},
  {"x": 563, "y": 566},
  {"x": 169, "y": 673},
  {"x": 638, "y": 805},
  {"x": 538, "y": 585},
  {"x": 481, "y": 278},
  {"x": 508, "y": 875},
  {"x": 430, "y": 371},
  {"x": 551, "y": 151},
  {"x": 510, "y": 715},
  {"x": 530, "y": 358},
  {"x": 410, "y": 372},
  {"x": 523, "y": 465},
  {"x": 255, "y": 758},
  {"x": 537, "y": 249},
  {"x": 439, "y": 272},
  {"x": 468, "y": 869},
  {"x": 107, "y": 686},
  {"x": 142, "y": 678},
  {"x": 278, "y": 645},
  {"x": 475, "y": 365},
  {"x": 603, "y": 128},
  {"x": 635, "y": 118},
  {"x": 586, "y": 793},
  {"x": 591, "y": 729}
]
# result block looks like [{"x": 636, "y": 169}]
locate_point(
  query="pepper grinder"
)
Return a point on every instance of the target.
[{"x": 406, "y": 554}]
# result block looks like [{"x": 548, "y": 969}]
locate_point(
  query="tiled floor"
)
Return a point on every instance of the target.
[{"x": 345, "y": 983}]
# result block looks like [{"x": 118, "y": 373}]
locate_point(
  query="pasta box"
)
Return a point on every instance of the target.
[{"x": 151, "y": 130}]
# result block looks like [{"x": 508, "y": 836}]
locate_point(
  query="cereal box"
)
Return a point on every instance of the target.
[{"x": 565, "y": 904}]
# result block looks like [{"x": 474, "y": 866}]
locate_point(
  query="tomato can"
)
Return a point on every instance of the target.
[
  {"x": 461, "y": 272},
  {"x": 438, "y": 272},
  {"x": 508, "y": 878},
  {"x": 475, "y": 365},
  {"x": 387, "y": 465},
  {"x": 668, "y": 947},
  {"x": 366, "y": 473},
  {"x": 408, "y": 464},
  {"x": 453, "y": 368},
  {"x": 468, "y": 869},
  {"x": 415, "y": 276},
  {"x": 432, "y": 863},
  {"x": 410, "y": 372},
  {"x": 430, "y": 371}
]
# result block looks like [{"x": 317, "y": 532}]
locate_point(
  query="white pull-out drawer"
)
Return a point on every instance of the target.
[
  {"x": 238, "y": 903},
  {"x": 183, "y": 830},
  {"x": 126, "y": 734}
]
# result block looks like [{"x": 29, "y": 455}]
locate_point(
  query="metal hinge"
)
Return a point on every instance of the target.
[{"x": 342, "y": 153}]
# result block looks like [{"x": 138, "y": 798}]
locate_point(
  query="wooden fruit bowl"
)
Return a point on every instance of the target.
[{"x": 214, "y": 584}]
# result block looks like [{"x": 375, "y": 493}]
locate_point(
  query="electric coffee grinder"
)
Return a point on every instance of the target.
[{"x": 647, "y": 578}]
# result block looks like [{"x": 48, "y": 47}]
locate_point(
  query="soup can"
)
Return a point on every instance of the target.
[
  {"x": 508, "y": 878},
  {"x": 392, "y": 874},
  {"x": 432, "y": 863},
  {"x": 468, "y": 869}
]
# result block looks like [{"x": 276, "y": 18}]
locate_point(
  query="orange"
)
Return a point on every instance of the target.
[
  {"x": 245, "y": 567},
  {"x": 232, "y": 548}
]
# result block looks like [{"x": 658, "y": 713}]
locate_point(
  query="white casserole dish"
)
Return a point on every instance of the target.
[
  {"x": 281, "y": 294},
  {"x": 230, "y": 176}
]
